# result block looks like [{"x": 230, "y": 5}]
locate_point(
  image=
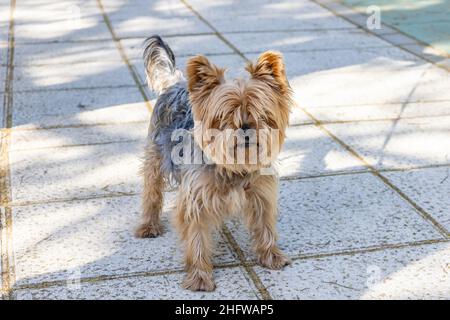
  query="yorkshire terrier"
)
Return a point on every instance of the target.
[{"x": 210, "y": 109}]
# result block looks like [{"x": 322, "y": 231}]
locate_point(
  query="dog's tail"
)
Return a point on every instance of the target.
[{"x": 160, "y": 65}]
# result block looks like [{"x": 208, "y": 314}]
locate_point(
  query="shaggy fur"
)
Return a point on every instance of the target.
[{"x": 210, "y": 191}]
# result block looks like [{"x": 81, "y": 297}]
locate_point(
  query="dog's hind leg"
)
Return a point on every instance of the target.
[{"x": 152, "y": 198}]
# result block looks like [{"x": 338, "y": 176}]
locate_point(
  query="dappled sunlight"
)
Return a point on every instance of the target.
[
  {"x": 125, "y": 113},
  {"x": 62, "y": 74},
  {"x": 76, "y": 172},
  {"x": 426, "y": 277},
  {"x": 56, "y": 29},
  {"x": 405, "y": 143},
  {"x": 376, "y": 82}
]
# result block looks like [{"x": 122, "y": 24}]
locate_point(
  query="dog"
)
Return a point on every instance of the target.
[{"x": 212, "y": 190}]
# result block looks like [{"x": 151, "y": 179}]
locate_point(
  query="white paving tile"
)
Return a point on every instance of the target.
[
  {"x": 379, "y": 80},
  {"x": 1, "y": 114},
  {"x": 328, "y": 214},
  {"x": 429, "y": 188},
  {"x": 398, "y": 144},
  {"x": 25, "y": 140},
  {"x": 68, "y": 107},
  {"x": 382, "y": 111},
  {"x": 231, "y": 283},
  {"x": 304, "y": 40},
  {"x": 159, "y": 8},
  {"x": 409, "y": 273},
  {"x": 65, "y": 53},
  {"x": 308, "y": 151},
  {"x": 83, "y": 171},
  {"x": 30, "y": 12},
  {"x": 91, "y": 29},
  {"x": 145, "y": 26},
  {"x": 81, "y": 75},
  {"x": 91, "y": 238},
  {"x": 229, "y": 16}
]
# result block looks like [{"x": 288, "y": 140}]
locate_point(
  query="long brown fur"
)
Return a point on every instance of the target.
[{"x": 209, "y": 194}]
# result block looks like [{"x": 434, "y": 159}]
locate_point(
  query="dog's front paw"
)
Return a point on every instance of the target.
[
  {"x": 199, "y": 281},
  {"x": 149, "y": 230},
  {"x": 273, "y": 259}
]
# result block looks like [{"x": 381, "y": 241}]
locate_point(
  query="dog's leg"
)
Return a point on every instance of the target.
[
  {"x": 261, "y": 218},
  {"x": 195, "y": 223},
  {"x": 152, "y": 198}
]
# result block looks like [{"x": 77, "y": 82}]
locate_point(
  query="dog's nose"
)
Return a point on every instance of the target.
[{"x": 245, "y": 127}]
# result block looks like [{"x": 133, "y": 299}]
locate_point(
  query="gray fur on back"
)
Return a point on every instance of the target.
[{"x": 172, "y": 110}]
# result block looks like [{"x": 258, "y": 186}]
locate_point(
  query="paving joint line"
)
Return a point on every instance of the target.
[
  {"x": 135, "y": 75},
  {"x": 80, "y": 145},
  {"x": 25, "y": 203},
  {"x": 294, "y": 125},
  {"x": 208, "y": 54},
  {"x": 120, "y": 86},
  {"x": 216, "y": 31},
  {"x": 248, "y": 267},
  {"x": 75, "y": 125},
  {"x": 7, "y": 253},
  {"x": 300, "y": 124},
  {"x": 226, "y": 265}
]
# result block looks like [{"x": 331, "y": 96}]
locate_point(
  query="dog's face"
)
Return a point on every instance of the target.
[{"x": 240, "y": 124}]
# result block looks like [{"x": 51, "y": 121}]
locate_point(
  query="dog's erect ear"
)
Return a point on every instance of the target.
[
  {"x": 202, "y": 75},
  {"x": 270, "y": 68}
]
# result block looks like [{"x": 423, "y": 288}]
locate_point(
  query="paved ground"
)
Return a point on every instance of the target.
[
  {"x": 425, "y": 20},
  {"x": 364, "y": 199}
]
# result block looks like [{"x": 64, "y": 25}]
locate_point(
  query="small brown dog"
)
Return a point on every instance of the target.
[{"x": 220, "y": 185}]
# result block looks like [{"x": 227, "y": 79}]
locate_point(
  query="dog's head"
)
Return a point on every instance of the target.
[{"x": 240, "y": 124}]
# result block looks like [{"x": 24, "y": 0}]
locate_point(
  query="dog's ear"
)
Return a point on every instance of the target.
[
  {"x": 270, "y": 68},
  {"x": 202, "y": 75}
]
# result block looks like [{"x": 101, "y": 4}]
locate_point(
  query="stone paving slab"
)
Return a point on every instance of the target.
[
  {"x": 29, "y": 12},
  {"x": 257, "y": 16},
  {"x": 72, "y": 107},
  {"x": 84, "y": 171},
  {"x": 62, "y": 76},
  {"x": 429, "y": 188},
  {"x": 161, "y": 9},
  {"x": 232, "y": 283},
  {"x": 93, "y": 238},
  {"x": 2, "y": 96},
  {"x": 141, "y": 27},
  {"x": 404, "y": 82},
  {"x": 382, "y": 111},
  {"x": 65, "y": 53},
  {"x": 400, "y": 144},
  {"x": 313, "y": 40},
  {"x": 409, "y": 273},
  {"x": 341, "y": 213},
  {"x": 232, "y": 8},
  {"x": 347, "y": 60},
  {"x": 62, "y": 31}
]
